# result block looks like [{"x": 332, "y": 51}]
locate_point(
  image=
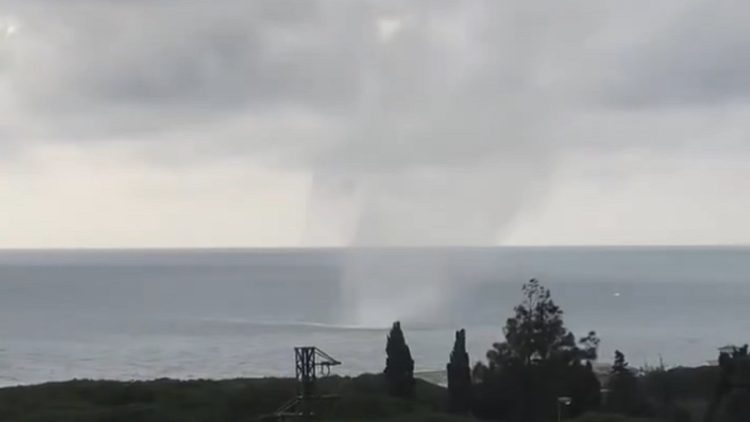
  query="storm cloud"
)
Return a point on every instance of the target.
[{"x": 424, "y": 122}]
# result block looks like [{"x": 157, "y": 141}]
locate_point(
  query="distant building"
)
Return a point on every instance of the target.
[{"x": 729, "y": 349}]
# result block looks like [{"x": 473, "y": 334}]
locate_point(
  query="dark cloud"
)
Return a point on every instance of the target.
[
  {"x": 421, "y": 108},
  {"x": 453, "y": 83},
  {"x": 700, "y": 57},
  {"x": 174, "y": 58}
]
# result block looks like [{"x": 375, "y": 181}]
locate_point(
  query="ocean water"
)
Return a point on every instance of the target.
[{"x": 143, "y": 314}]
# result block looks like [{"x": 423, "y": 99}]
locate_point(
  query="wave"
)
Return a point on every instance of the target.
[{"x": 286, "y": 324}]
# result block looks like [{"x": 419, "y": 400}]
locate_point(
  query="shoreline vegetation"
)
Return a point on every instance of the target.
[
  {"x": 363, "y": 397},
  {"x": 538, "y": 372}
]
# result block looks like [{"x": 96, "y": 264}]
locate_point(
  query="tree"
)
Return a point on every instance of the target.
[
  {"x": 538, "y": 362},
  {"x": 620, "y": 366},
  {"x": 731, "y": 392},
  {"x": 399, "y": 365},
  {"x": 537, "y": 334},
  {"x": 459, "y": 376},
  {"x": 623, "y": 387},
  {"x": 589, "y": 347},
  {"x": 537, "y": 329}
]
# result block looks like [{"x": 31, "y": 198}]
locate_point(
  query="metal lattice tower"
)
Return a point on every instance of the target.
[{"x": 309, "y": 362}]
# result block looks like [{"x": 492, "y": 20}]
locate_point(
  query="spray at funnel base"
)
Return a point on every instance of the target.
[{"x": 382, "y": 286}]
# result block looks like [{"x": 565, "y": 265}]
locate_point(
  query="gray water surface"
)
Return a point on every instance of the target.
[{"x": 142, "y": 314}]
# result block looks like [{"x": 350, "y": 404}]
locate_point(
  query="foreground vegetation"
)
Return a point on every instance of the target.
[
  {"x": 680, "y": 394},
  {"x": 363, "y": 398}
]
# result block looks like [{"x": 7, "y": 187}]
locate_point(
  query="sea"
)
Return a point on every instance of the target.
[{"x": 227, "y": 313}]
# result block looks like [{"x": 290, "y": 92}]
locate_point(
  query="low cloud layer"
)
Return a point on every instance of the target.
[{"x": 427, "y": 122}]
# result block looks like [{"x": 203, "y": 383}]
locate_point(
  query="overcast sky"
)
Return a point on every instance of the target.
[{"x": 168, "y": 123}]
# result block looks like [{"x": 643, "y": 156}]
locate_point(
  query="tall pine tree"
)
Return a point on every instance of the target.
[
  {"x": 538, "y": 362},
  {"x": 399, "y": 365},
  {"x": 459, "y": 376}
]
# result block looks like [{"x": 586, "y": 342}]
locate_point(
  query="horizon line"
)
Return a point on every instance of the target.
[{"x": 371, "y": 247}]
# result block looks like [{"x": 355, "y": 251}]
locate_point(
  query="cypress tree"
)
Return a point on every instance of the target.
[
  {"x": 399, "y": 365},
  {"x": 459, "y": 376}
]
